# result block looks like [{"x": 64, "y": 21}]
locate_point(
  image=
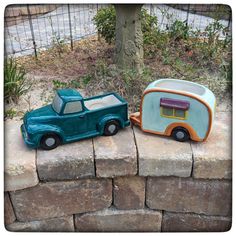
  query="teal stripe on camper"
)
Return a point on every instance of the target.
[{"x": 198, "y": 116}]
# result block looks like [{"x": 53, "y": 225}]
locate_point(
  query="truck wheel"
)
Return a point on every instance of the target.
[
  {"x": 180, "y": 134},
  {"x": 111, "y": 128},
  {"x": 50, "y": 141}
]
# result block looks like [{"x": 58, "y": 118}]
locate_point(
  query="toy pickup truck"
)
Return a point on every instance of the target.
[{"x": 70, "y": 118}]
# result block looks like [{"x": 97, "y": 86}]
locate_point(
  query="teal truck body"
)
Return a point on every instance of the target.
[{"x": 70, "y": 117}]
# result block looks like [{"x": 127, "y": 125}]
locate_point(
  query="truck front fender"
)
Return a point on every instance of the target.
[{"x": 37, "y": 131}]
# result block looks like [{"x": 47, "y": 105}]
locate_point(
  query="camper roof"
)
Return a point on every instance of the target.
[
  {"x": 181, "y": 85},
  {"x": 184, "y": 87}
]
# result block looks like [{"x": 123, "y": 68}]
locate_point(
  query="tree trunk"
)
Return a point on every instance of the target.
[{"x": 129, "y": 37}]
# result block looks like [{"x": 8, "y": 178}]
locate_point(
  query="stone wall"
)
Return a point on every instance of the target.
[{"x": 132, "y": 181}]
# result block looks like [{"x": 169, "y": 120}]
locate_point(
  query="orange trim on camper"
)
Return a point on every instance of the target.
[
  {"x": 138, "y": 119},
  {"x": 192, "y": 132},
  {"x": 168, "y": 131}
]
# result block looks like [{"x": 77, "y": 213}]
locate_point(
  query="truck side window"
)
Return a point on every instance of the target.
[{"x": 73, "y": 107}]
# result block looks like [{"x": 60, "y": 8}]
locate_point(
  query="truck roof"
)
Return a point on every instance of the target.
[{"x": 69, "y": 94}]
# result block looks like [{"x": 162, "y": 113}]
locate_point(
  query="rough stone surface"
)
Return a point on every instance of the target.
[
  {"x": 110, "y": 220},
  {"x": 213, "y": 158},
  {"x": 70, "y": 161},
  {"x": 9, "y": 215},
  {"x": 57, "y": 199},
  {"x": 129, "y": 192},
  {"x": 62, "y": 224},
  {"x": 188, "y": 195},
  {"x": 162, "y": 156},
  {"x": 20, "y": 168},
  {"x": 179, "y": 222},
  {"x": 116, "y": 155}
]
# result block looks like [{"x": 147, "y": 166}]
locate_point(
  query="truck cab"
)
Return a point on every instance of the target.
[{"x": 70, "y": 117}]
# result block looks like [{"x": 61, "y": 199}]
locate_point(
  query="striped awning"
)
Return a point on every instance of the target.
[{"x": 174, "y": 103}]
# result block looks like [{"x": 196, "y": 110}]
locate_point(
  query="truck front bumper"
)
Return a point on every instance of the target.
[{"x": 25, "y": 136}]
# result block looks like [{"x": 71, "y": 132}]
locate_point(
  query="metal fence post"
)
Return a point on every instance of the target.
[
  {"x": 71, "y": 36},
  {"x": 151, "y": 9},
  {"x": 7, "y": 35},
  {"x": 5, "y": 49},
  {"x": 32, "y": 31},
  {"x": 99, "y": 36},
  {"x": 187, "y": 14},
  {"x": 230, "y": 19}
]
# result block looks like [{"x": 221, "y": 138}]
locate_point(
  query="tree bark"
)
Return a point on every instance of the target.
[{"x": 129, "y": 37}]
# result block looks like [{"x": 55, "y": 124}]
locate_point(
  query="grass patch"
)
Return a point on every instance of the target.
[{"x": 15, "y": 83}]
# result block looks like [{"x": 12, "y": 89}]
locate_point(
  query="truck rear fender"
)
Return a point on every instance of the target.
[{"x": 105, "y": 119}]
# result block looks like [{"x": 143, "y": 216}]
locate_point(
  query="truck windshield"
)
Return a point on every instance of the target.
[{"x": 57, "y": 103}]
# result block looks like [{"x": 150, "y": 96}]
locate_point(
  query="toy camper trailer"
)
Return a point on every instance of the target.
[{"x": 177, "y": 108}]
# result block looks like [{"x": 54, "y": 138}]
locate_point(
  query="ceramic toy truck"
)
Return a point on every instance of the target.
[
  {"x": 70, "y": 118},
  {"x": 177, "y": 108}
]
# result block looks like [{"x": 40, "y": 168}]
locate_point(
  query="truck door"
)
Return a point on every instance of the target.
[{"x": 74, "y": 118}]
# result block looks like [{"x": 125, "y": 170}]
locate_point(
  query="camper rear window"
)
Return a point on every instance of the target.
[
  {"x": 174, "y": 108},
  {"x": 173, "y": 113}
]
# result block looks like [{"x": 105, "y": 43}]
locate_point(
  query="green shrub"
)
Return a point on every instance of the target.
[
  {"x": 179, "y": 30},
  {"x": 86, "y": 78},
  {"x": 105, "y": 21},
  {"x": 149, "y": 27},
  {"x": 213, "y": 32},
  {"x": 14, "y": 81},
  {"x": 10, "y": 113},
  {"x": 226, "y": 70},
  {"x": 59, "y": 84},
  {"x": 212, "y": 47}
]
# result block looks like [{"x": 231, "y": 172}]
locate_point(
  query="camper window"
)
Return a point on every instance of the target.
[
  {"x": 179, "y": 113},
  {"x": 173, "y": 113},
  {"x": 167, "y": 111}
]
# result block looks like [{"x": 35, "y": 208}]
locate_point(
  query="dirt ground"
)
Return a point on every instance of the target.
[
  {"x": 42, "y": 93},
  {"x": 89, "y": 68}
]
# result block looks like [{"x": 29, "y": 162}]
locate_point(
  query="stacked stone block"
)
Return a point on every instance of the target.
[{"x": 132, "y": 181}]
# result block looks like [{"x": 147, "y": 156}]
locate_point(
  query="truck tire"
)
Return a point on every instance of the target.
[
  {"x": 180, "y": 134},
  {"x": 50, "y": 141},
  {"x": 111, "y": 128}
]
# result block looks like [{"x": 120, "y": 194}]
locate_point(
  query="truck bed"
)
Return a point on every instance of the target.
[{"x": 101, "y": 102}]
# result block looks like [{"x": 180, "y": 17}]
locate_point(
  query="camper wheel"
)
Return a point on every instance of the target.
[{"x": 180, "y": 134}]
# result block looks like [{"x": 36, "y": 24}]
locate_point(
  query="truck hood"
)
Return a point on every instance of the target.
[{"x": 40, "y": 115}]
